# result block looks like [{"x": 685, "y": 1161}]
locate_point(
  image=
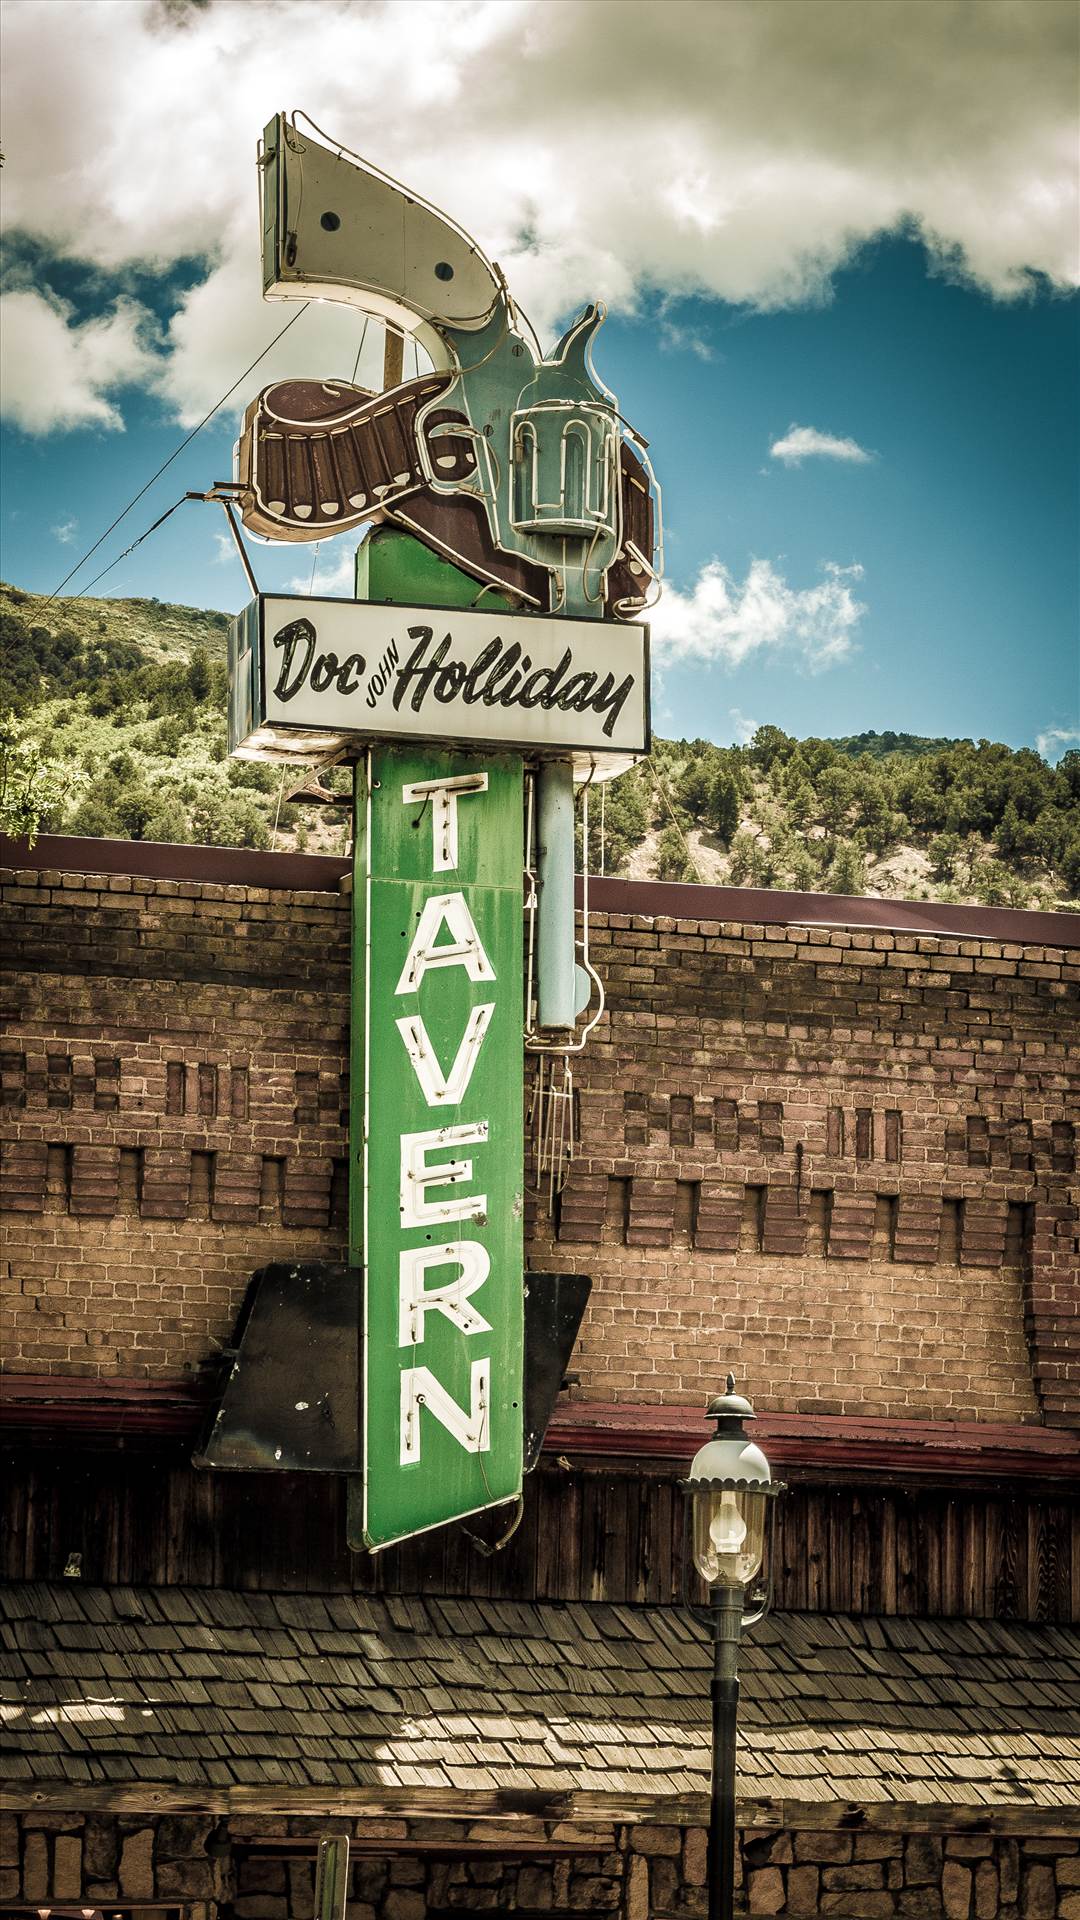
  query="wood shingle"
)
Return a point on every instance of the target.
[{"x": 201, "y": 1688}]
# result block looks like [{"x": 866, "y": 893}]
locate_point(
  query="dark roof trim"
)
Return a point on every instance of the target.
[
  {"x": 652, "y": 899},
  {"x": 51, "y": 1406},
  {"x": 156, "y": 860},
  {"x": 59, "y": 1408},
  {"x": 662, "y": 899},
  {"x": 958, "y": 1451}
]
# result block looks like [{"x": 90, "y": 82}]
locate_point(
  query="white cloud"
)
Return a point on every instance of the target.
[
  {"x": 65, "y": 532},
  {"x": 674, "y": 338},
  {"x": 745, "y": 728},
  {"x": 219, "y": 328},
  {"x": 1054, "y": 741},
  {"x": 331, "y": 570},
  {"x": 723, "y": 620},
  {"x": 801, "y": 443},
  {"x": 54, "y": 373},
  {"x": 742, "y": 151}
]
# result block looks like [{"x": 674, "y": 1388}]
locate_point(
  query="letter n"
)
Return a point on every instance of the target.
[{"x": 470, "y": 1426}]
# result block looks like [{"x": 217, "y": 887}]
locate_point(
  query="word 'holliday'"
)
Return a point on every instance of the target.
[
  {"x": 421, "y": 1178},
  {"x": 501, "y": 675}
]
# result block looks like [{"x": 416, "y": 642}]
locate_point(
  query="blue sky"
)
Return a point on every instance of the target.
[{"x": 910, "y": 563}]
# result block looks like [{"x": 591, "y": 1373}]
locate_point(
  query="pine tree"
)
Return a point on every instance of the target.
[
  {"x": 848, "y": 871},
  {"x": 722, "y": 807}
]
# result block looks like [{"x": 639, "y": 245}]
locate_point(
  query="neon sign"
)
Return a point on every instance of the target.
[{"x": 438, "y": 1068}]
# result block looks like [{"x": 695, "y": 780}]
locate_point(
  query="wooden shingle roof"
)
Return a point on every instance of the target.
[{"x": 208, "y": 1696}]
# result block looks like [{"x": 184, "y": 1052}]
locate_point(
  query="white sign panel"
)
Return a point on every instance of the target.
[{"x": 344, "y": 668}]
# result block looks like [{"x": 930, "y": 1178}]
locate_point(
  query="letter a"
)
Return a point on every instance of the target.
[{"x": 464, "y": 950}]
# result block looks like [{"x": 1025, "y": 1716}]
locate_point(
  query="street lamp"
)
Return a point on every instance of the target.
[{"x": 729, "y": 1489}]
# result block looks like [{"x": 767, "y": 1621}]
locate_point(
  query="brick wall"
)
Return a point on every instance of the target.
[
  {"x": 842, "y": 1159},
  {"x": 845, "y": 1162}
]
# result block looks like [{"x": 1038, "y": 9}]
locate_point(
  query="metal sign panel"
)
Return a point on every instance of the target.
[
  {"x": 291, "y": 1404},
  {"x": 437, "y": 1218},
  {"x": 305, "y": 673}
]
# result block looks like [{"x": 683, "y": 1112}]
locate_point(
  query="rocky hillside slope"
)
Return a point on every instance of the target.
[{"x": 115, "y": 725}]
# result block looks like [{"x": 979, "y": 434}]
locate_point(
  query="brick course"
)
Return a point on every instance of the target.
[{"x": 846, "y": 1160}]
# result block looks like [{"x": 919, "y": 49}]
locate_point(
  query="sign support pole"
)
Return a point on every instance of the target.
[{"x": 556, "y": 983}]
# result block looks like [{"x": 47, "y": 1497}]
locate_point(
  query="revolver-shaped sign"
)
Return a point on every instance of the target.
[{"x": 519, "y": 469}]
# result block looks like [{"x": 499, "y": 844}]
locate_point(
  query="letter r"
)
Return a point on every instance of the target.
[{"x": 416, "y": 1300}]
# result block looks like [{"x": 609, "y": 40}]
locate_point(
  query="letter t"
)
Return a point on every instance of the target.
[{"x": 444, "y": 795}]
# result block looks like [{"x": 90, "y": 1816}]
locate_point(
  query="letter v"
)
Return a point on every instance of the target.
[{"x": 445, "y": 1089}]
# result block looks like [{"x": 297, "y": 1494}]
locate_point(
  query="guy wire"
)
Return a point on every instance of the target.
[
  {"x": 135, "y": 543},
  {"x": 659, "y": 785},
  {"x": 177, "y": 451},
  {"x": 360, "y": 349}
]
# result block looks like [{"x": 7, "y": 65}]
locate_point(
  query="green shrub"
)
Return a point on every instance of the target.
[
  {"x": 723, "y": 804},
  {"x": 995, "y": 886},
  {"x": 802, "y": 871},
  {"x": 618, "y": 822},
  {"x": 672, "y": 862}
]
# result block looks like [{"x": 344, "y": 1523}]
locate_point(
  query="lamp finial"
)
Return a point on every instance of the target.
[{"x": 730, "y": 1383}]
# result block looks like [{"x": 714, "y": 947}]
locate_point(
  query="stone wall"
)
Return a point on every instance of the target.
[
  {"x": 848, "y": 1157},
  {"x": 405, "y": 1870}
]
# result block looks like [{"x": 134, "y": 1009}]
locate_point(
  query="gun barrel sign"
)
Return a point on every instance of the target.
[{"x": 437, "y": 1217}]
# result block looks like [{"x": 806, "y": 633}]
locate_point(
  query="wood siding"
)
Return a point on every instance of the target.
[{"x": 584, "y": 1535}]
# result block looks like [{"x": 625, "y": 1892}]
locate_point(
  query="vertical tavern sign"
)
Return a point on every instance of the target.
[{"x": 437, "y": 1069}]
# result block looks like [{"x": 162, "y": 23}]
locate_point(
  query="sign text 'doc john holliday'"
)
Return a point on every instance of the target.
[{"x": 364, "y": 668}]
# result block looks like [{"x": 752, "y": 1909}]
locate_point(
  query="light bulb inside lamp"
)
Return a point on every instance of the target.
[{"x": 727, "y": 1529}]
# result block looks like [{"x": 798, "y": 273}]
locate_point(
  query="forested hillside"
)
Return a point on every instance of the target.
[{"x": 114, "y": 724}]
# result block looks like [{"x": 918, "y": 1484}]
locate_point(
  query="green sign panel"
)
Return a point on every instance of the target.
[{"x": 437, "y": 1076}]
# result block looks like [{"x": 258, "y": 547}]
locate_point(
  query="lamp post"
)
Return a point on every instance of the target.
[{"x": 728, "y": 1490}]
